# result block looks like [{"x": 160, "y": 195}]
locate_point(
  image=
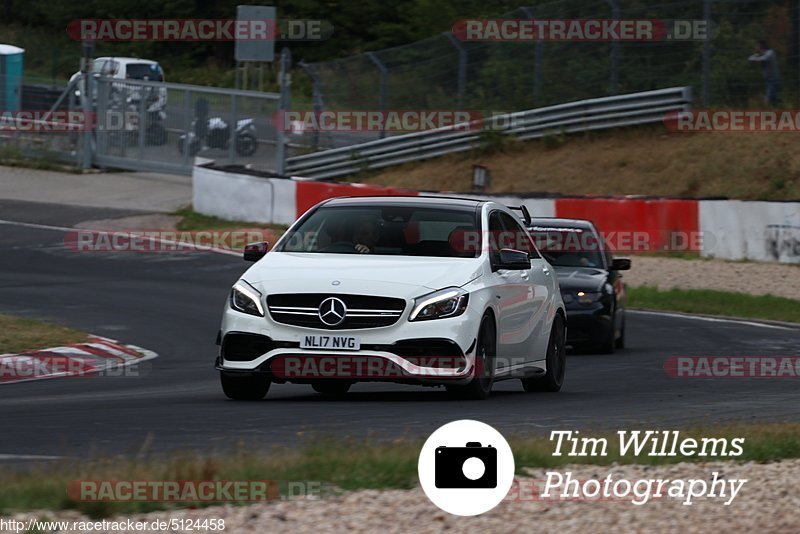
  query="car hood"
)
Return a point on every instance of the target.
[
  {"x": 585, "y": 278},
  {"x": 398, "y": 276}
]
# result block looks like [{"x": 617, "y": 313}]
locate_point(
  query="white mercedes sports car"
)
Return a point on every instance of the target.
[{"x": 424, "y": 290}]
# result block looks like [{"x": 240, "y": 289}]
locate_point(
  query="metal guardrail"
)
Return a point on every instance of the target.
[{"x": 581, "y": 116}]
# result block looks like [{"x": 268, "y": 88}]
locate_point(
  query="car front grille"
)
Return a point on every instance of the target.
[{"x": 363, "y": 311}]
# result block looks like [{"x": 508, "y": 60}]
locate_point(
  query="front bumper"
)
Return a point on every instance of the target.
[
  {"x": 588, "y": 325},
  {"x": 432, "y": 352}
]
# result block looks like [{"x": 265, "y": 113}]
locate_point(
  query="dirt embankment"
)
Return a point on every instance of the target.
[{"x": 636, "y": 161}]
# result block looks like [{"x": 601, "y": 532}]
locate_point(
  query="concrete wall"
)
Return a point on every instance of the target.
[
  {"x": 243, "y": 197},
  {"x": 765, "y": 231},
  {"x": 730, "y": 229}
]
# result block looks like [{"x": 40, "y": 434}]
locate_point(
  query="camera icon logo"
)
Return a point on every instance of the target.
[
  {"x": 466, "y": 467},
  {"x": 472, "y": 466}
]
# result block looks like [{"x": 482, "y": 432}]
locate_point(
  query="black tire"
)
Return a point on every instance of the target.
[
  {"x": 607, "y": 345},
  {"x": 480, "y": 387},
  {"x": 332, "y": 388},
  {"x": 608, "y": 341},
  {"x": 620, "y": 343},
  {"x": 556, "y": 357},
  {"x": 246, "y": 144},
  {"x": 248, "y": 388}
]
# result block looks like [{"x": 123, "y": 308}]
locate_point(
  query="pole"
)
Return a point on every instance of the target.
[
  {"x": 706, "y": 54},
  {"x": 284, "y": 105},
  {"x": 538, "y": 56},
  {"x": 614, "y": 82},
  {"x": 383, "y": 86},
  {"x": 462, "y": 67},
  {"x": 87, "y": 47}
]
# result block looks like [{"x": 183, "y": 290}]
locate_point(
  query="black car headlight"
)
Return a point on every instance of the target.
[
  {"x": 246, "y": 299},
  {"x": 585, "y": 298},
  {"x": 450, "y": 302}
]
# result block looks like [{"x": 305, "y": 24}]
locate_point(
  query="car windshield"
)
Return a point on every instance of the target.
[
  {"x": 105, "y": 67},
  {"x": 568, "y": 247},
  {"x": 393, "y": 230},
  {"x": 144, "y": 71}
]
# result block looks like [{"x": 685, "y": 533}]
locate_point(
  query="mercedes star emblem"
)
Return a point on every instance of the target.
[{"x": 332, "y": 311}]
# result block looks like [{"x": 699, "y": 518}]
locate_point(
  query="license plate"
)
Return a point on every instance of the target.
[{"x": 330, "y": 342}]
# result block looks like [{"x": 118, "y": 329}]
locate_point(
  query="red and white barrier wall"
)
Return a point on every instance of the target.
[{"x": 730, "y": 229}]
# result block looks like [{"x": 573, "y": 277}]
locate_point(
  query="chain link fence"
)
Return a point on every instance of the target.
[
  {"x": 36, "y": 124},
  {"x": 443, "y": 72},
  {"x": 138, "y": 125},
  {"x": 162, "y": 126},
  {"x": 438, "y": 73}
]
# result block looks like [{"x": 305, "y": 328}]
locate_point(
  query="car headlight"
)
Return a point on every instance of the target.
[
  {"x": 450, "y": 302},
  {"x": 582, "y": 297},
  {"x": 246, "y": 299}
]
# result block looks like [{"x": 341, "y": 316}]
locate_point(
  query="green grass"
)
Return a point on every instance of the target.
[
  {"x": 193, "y": 221},
  {"x": 229, "y": 238},
  {"x": 711, "y": 302},
  {"x": 675, "y": 254},
  {"x": 343, "y": 464},
  {"x": 45, "y": 161},
  {"x": 18, "y": 334}
]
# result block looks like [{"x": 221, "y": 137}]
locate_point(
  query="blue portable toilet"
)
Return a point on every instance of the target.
[{"x": 10, "y": 77}]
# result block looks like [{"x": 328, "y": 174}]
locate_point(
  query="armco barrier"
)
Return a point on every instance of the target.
[
  {"x": 729, "y": 229},
  {"x": 584, "y": 115}
]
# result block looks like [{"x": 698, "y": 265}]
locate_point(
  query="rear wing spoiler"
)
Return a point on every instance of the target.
[{"x": 526, "y": 215}]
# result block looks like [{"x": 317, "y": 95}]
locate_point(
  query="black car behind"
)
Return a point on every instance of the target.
[{"x": 590, "y": 279}]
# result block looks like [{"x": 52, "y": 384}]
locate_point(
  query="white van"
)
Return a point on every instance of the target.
[{"x": 129, "y": 68}]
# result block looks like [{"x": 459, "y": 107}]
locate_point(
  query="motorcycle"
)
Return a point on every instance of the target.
[
  {"x": 217, "y": 135},
  {"x": 153, "y": 114}
]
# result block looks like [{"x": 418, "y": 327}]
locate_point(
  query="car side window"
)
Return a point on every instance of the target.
[
  {"x": 495, "y": 231},
  {"x": 519, "y": 238},
  {"x": 603, "y": 248}
]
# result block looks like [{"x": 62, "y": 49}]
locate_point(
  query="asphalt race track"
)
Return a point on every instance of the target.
[{"x": 171, "y": 303}]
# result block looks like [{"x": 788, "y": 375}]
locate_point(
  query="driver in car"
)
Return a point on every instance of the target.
[{"x": 366, "y": 234}]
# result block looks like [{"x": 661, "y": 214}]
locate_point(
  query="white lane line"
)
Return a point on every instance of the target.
[
  {"x": 712, "y": 319},
  {"x": 135, "y": 234}
]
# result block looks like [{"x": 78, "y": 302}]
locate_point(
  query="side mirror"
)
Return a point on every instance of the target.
[
  {"x": 513, "y": 260},
  {"x": 621, "y": 264},
  {"x": 255, "y": 251}
]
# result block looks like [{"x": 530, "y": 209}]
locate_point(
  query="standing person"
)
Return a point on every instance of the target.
[{"x": 769, "y": 69}]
